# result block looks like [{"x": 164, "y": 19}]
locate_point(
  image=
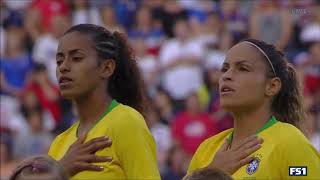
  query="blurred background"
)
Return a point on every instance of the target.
[{"x": 180, "y": 47}]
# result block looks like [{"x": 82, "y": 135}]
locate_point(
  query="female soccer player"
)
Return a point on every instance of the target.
[
  {"x": 260, "y": 88},
  {"x": 96, "y": 70}
]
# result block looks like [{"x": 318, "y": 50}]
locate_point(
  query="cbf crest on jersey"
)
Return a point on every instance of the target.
[{"x": 253, "y": 166}]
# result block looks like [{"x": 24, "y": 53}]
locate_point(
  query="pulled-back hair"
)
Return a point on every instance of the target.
[
  {"x": 125, "y": 85},
  {"x": 287, "y": 104}
]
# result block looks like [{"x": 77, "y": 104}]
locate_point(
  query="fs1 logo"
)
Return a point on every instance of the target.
[{"x": 298, "y": 170}]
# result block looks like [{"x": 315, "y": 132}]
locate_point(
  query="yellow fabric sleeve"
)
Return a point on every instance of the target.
[{"x": 137, "y": 149}]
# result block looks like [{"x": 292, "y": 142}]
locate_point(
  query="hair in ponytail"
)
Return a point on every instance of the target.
[
  {"x": 125, "y": 85},
  {"x": 287, "y": 104}
]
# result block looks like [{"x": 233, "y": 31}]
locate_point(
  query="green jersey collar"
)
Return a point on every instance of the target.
[
  {"x": 112, "y": 105},
  {"x": 270, "y": 122}
]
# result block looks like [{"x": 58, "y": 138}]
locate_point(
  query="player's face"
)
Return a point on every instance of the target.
[
  {"x": 243, "y": 82},
  {"x": 77, "y": 65}
]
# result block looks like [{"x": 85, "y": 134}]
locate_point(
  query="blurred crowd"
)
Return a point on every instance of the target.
[{"x": 179, "y": 46}]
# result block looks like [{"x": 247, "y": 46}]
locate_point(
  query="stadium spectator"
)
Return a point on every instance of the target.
[
  {"x": 147, "y": 64},
  {"x": 32, "y": 24},
  {"x": 162, "y": 136},
  {"x": 271, "y": 23},
  {"x": 10, "y": 116},
  {"x": 47, "y": 92},
  {"x": 145, "y": 28},
  {"x": 180, "y": 61},
  {"x": 192, "y": 126},
  {"x": 236, "y": 21},
  {"x": 7, "y": 160},
  {"x": 36, "y": 140},
  {"x": 82, "y": 13},
  {"x": 309, "y": 64},
  {"x": 16, "y": 64},
  {"x": 46, "y": 45},
  {"x": 168, "y": 13},
  {"x": 164, "y": 105},
  {"x": 312, "y": 125},
  {"x": 109, "y": 20},
  {"x": 48, "y": 10},
  {"x": 176, "y": 164}
]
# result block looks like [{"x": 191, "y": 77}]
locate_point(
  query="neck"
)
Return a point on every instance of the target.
[
  {"x": 248, "y": 122},
  {"x": 90, "y": 108}
]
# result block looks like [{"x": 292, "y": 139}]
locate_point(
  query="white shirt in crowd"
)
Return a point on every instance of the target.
[
  {"x": 315, "y": 140},
  {"x": 44, "y": 52},
  {"x": 148, "y": 67},
  {"x": 91, "y": 16},
  {"x": 162, "y": 136},
  {"x": 2, "y": 41},
  {"x": 12, "y": 118},
  {"x": 181, "y": 80},
  {"x": 214, "y": 59}
]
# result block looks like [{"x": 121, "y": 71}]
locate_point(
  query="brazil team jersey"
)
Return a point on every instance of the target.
[
  {"x": 284, "y": 148},
  {"x": 133, "y": 148}
]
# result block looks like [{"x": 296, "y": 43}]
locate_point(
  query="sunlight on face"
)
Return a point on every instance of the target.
[{"x": 243, "y": 82}]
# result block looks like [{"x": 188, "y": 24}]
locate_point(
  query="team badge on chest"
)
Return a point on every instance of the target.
[{"x": 253, "y": 166}]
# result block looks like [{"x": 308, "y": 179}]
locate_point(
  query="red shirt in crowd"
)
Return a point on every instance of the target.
[
  {"x": 190, "y": 130},
  {"x": 51, "y": 105},
  {"x": 49, "y": 9}
]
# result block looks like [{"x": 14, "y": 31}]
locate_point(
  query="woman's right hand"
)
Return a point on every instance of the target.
[
  {"x": 80, "y": 155},
  {"x": 230, "y": 160}
]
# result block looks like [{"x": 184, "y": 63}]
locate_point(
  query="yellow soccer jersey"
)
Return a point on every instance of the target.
[
  {"x": 133, "y": 148},
  {"x": 284, "y": 146}
]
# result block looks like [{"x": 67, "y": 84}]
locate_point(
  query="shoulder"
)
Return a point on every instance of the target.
[
  {"x": 292, "y": 148},
  {"x": 290, "y": 139},
  {"x": 125, "y": 116},
  {"x": 287, "y": 133},
  {"x": 59, "y": 143},
  {"x": 66, "y": 133},
  {"x": 218, "y": 138}
]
